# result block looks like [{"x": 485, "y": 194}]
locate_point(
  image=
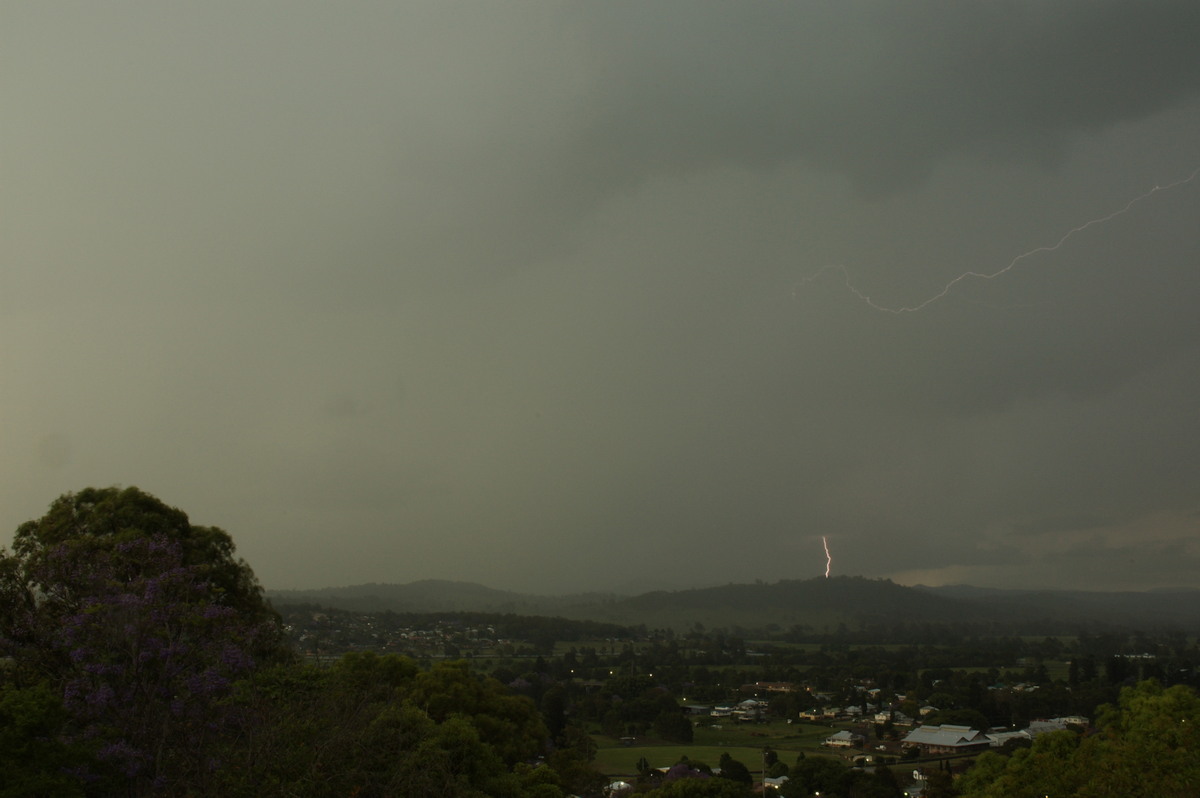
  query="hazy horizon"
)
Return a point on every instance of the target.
[
  {"x": 557, "y": 296},
  {"x": 635, "y": 590}
]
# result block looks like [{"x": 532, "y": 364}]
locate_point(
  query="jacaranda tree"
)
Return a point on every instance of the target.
[{"x": 141, "y": 622}]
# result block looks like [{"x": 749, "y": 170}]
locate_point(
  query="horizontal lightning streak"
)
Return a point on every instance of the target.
[{"x": 993, "y": 275}]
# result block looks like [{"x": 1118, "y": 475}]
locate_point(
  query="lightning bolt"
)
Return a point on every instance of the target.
[
  {"x": 828, "y": 558},
  {"x": 1011, "y": 264}
]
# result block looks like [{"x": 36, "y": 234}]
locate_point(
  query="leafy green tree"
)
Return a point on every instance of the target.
[
  {"x": 1148, "y": 743},
  {"x": 734, "y": 770},
  {"x": 940, "y": 784},
  {"x": 577, "y": 740},
  {"x": 364, "y": 727},
  {"x": 151, "y": 657},
  {"x": 987, "y": 770},
  {"x": 1147, "y": 746},
  {"x": 575, "y": 772},
  {"x": 143, "y": 622},
  {"x": 510, "y": 724},
  {"x": 106, "y": 516},
  {"x": 700, "y": 788},
  {"x": 672, "y": 725},
  {"x": 45, "y": 579},
  {"x": 857, "y": 783},
  {"x": 961, "y": 717},
  {"x": 33, "y": 759},
  {"x": 812, "y": 774}
]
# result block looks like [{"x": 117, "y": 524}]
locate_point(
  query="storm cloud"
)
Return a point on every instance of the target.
[{"x": 571, "y": 296}]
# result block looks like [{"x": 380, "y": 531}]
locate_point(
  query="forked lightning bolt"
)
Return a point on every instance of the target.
[
  {"x": 828, "y": 558},
  {"x": 993, "y": 275}
]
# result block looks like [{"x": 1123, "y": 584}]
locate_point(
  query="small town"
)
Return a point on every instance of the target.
[
  {"x": 599, "y": 399},
  {"x": 622, "y": 689}
]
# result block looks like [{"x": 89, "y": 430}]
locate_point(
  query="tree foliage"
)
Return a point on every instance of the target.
[
  {"x": 144, "y": 661},
  {"x": 34, "y": 761},
  {"x": 700, "y": 788},
  {"x": 141, "y": 623},
  {"x": 378, "y": 726},
  {"x": 812, "y": 774},
  {"x": 735, "y": 770},
  {"x": 1147, "y": 745},
  {"x": 100, "y": 518}
]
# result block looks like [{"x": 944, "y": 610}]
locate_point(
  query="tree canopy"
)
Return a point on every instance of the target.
[
  {"x": 146, "y": 662},
  {"x": 100, "y": 519},
  {"x": 1146, "y": 745},
  {"x": 138, "y": 623}
]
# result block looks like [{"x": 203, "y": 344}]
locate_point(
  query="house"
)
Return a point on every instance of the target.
[
  {"x": 947, "y": 739},
  {"x": 998, "y": 739},
  {"x": 1043, "y": 726},
  {"x": 816, "y": 714},
  {"x": 750, "y": 709},
  {"x": 843, "y": 739},
  {"x": 1074, "y": 720},
  {"x": 770, "y": 687}
]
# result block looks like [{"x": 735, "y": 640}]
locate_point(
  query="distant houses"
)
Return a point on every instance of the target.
[
  {"x": 769, "y": 687},
  {"x": 947, "y": 739},
  {"x": 999, "y": 739},
  {"x": 746, "y": 711},
  {"x": 893, "y": 716},
  {"x": 1037, "y": 727},
  {"x": 843, "y": 739}
]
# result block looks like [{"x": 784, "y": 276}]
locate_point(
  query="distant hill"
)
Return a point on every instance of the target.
[
  {"x": 820, "y": 604},
  {"x": 1177, "y": 608},
  {"x": 433, "y": 595},
  {"x": 840, "y": 604}
]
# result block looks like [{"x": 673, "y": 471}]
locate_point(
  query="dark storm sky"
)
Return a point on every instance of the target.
[{"x": 575, "y": 296}]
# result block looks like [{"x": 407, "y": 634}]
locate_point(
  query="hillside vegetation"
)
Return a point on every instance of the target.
[{"x": 815, "y": 606}]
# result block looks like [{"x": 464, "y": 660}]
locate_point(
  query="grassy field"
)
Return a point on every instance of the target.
[
  {"x": 623, "y": 761},
  {"x": 783, "y": 645},
  {"x": 742, "y": 742}
]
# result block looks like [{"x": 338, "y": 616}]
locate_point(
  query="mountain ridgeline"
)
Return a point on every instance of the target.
[{"x": 841, "y": 605}]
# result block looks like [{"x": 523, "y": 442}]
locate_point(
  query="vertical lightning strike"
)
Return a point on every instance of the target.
[
  {"x": 828, "y": 558},
  {"x": 993, "y": 275}
]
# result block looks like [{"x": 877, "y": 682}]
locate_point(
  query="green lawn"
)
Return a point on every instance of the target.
[
  {"x": 743, "y": 742},
  {"x": 1058, "y": 669}
]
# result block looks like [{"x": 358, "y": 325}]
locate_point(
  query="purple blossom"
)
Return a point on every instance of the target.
[
  {"x": 129, "y": 759},
  {"x": 150, "y": 647}
]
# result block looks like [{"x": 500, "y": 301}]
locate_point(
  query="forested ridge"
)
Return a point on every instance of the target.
[
  {"x": 875, "y": 609},
  {"x": 142, "y": 659}
]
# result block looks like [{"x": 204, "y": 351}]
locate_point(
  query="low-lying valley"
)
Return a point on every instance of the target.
[
  {"x": 884, "y": 689},
  {"x": 140, "y": 657}
]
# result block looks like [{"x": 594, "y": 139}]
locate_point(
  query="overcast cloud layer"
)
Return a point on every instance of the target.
[{"x": 558, "y": 297}]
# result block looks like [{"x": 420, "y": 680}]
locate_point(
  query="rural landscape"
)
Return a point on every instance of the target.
[
  {"x": 599, "y": 399},
  {"x": 141, "y": 658}
]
